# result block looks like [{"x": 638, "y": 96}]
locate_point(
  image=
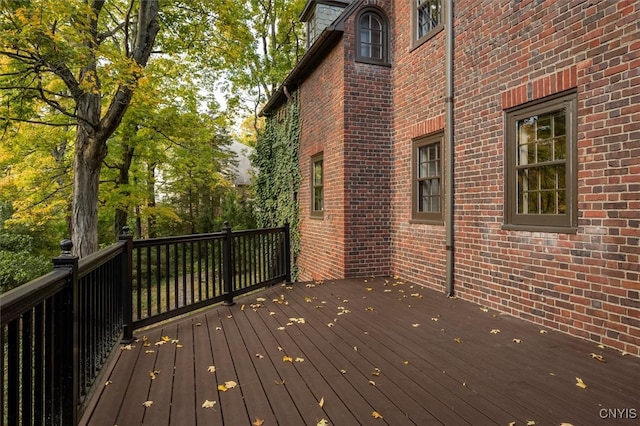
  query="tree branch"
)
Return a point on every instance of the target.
[{"x": 24, "y": 120}]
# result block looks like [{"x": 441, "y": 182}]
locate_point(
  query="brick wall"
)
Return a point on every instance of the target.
[
  {"x": 418, "y": 249},
  {"x": 322, "y": 251},
  {"x": 508, "y": 53},
  {"x": 367, "y": 149}
]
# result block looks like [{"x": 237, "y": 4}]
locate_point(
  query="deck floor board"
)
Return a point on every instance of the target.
[{"x": 361, "y": 346}]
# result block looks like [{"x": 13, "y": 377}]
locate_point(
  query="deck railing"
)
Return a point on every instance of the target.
[{"x": 58, "y": 331}]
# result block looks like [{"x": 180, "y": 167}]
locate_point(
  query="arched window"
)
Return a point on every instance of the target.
[{"x": 372, "y": 37}]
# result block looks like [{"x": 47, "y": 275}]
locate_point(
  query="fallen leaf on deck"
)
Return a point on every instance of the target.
[
  {"x": 211, "y": 369},
  {"x": 598, "y": 357},
  {"x": 330, "y": 324},
  {"x": 226, "y": 386},
  {"x": 281, "y": 328},
  {"x": 376, "y": 372},
  {"x": 272, "y": 313},
  {"x": 343, "y": 371},
  {"x": 457, "y": 340},
  {"x": 308, "y": 299},
  {"x": 208, "y": 404},
  {"x": 494, "y": 331},
  {"x": 530, "y": 423},
  {"x": 258, "y": 422},
  {"x": 355, "y": 348},
  {"x": 369, "y": 308},
  {"x": 149, "y": 352},
  {"x": 543, "y": 331},
  {"x": 298, "y": 359},
  {"x": 259, "y": 356},
  {"x": 279, "y": 383},
  {"x": 512, "y": 424},
  {"x": 287, "y": 359},
  {"x": 369, "y": 289},
  {"x": 261, "y": 299},
  {"x": 166, "y": 338},
  {"x": 580, "y": 383},
  {"x": 601, "y": 346},
  {"x": 198, "y": 324},
  {"x": 517, "y": 340},
  {"x": 435, "y": 319},
  {"x": 229, "y": 316},
  {"x": 108, "y": 382},
  {"x": 160, "y": 342},
  {"x": 566, "y": 424},
  {"x": 415, "y": 325},
  {"x": 321, "y": 403},
  {"x": 127, "y": 348},
  {"x": 218, "y": 328},
  {"x": 376, "y": 415},
  {"x": 372, "y": 383},
  {"x": 179, "y": 346},
  {"x": 323, "y": 422},
  {"x": 406, "y": 363},
  {"x": 147, "y": 403},
  {"x": 484, "y": 309},
  {"x": 153, "y": 374},
  {"x": 242, "y": 307}
]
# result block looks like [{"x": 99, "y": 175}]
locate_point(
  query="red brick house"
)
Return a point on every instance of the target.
[{"x": 488, "y": 149}]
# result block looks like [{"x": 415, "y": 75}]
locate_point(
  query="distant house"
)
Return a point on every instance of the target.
[
  {"x": 489, "y": 149},
  {"x": 240, "y": 170}
]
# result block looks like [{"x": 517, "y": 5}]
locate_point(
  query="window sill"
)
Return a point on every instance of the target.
[
  {"x": 538, "y": 228},
  {"x": 373, "y": 62},
  {"x": 426, "y": 222}
]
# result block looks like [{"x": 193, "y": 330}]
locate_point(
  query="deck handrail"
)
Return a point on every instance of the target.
[{"x": 58, "y": 331}]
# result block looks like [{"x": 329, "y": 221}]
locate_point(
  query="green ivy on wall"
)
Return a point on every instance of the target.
[{"x": 278, "y": 176}]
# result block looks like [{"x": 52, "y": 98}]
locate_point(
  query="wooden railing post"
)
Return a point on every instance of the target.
[
  {"x": 127, "y": 283},
  {"x": 287, "y": 252},
  {"x": 227, "y": 265},
  {"x": 66, "y": 353}
]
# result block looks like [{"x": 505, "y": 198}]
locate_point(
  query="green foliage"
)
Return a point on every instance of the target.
[
  {"x": 18, "y": 264},
  {"x": 278, "y": 178}
]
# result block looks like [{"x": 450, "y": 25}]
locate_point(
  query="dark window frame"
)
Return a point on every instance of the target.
[
  {"x": 419, "y": 39},
  {"x": 565, "y": 222},
  {"x": 315, "y": 211},
  {"x": 418, "y": 215},
  {"x": 384, "y": 37}
]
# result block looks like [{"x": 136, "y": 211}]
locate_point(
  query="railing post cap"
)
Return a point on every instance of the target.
[{"x": 65, "y": 247}]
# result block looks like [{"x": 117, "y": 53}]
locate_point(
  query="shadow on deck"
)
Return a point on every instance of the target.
[{"x": 343, "y": 351}]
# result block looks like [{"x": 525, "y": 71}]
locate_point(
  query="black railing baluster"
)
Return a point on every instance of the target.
[
  {"x": 158, "y": 281},
  {"x": 13, "y": 371},
  {"x": 167, "y": 274},
  {"x": 26, "y": 367}
]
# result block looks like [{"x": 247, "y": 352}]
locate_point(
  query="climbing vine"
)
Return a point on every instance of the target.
[{"x": 278, "y": 174}]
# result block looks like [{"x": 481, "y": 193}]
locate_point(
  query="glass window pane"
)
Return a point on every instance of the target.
[
  {"x": 543, "y": 130},
  {"x": 559, "y": 123},
  {"x": 532, "y": 202},
  {"x": 544, "y": 152},
  {"x": 560, "y": 148},
  {"x": 548, "y": 177}
]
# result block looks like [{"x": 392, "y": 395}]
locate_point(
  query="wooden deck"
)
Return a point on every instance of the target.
[{"x": 343, "y": 351}]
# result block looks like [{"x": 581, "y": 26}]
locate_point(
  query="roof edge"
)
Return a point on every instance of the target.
[{"x": 320, "y": 48}]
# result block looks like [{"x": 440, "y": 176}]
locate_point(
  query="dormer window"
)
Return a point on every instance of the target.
[
  {"x": 372, "y": 37},
  {"x": 320, "y": 14}
]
